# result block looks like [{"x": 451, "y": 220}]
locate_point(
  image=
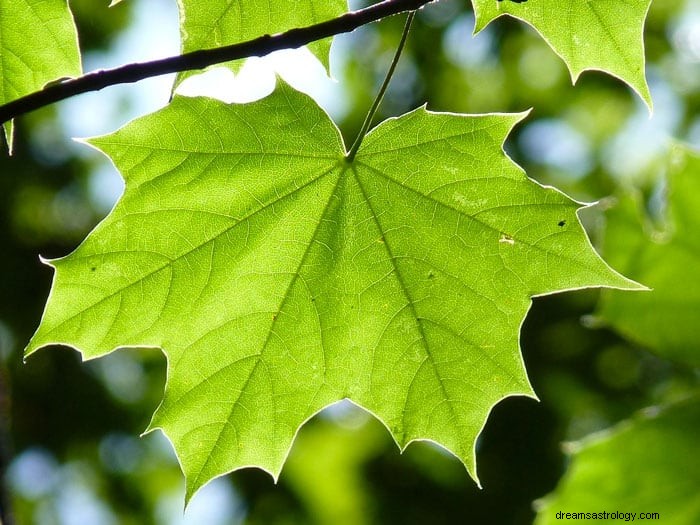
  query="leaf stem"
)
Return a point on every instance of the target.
[
  {"x": 378, "y": 100},
  {"x": 261, "y": 46}
]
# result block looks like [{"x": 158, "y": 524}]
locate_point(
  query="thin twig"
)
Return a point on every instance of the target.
[
  {"x": 378, "y": 100},
  {"x": 260, "y": 46}
]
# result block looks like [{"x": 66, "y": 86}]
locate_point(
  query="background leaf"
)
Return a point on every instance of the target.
[
  {"x": 604, "y": 35},
  {"x": 215, "y": 23},
  {"x": 38, "y": 43},
  {"x": 646, "y": 464},
  {"x": 665, "y": 319},
  {"x": 278, "y": 278}
]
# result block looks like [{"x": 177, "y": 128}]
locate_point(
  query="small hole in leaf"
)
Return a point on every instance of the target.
[
  {"x": 562, "y": 223},
  {"x": 93, "y": 269},
  {"x": 431, "y": 275}
]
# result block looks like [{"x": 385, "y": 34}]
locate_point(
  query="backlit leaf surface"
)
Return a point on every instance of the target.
[
  {"x": 38, "y": 44},
  {"x": 588, "y": 34},
  {"x": 279, "y": 278},
  {"x": 667, "y": 319},
  {"x": 647, "y": 464}
]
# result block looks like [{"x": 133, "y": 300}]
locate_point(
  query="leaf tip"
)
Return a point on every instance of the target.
[
  {"x": 481, "y": 20},
  {"x": 639, "y": 87},
  {"x": 519, "y": 117},
  {"x": 48, "y": 262},
  {"x": 620, "y": 282},
  {"x": 9, "y": 134},
  {"x": 29, "y": 350},
  {"x": 649, "y": 103},
  {"x": 91, "y": 142},
  {"x": 642, "y": 91}
]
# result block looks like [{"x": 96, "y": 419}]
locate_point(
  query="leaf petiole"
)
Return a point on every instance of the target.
[{"x": 378, "y": 100}]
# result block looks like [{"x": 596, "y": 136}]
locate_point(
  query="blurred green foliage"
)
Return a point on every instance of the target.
[
  {"x": 667, "y": 258},
  {"x": 625, "y": 471},
  {"x": 69, "y": 429}
]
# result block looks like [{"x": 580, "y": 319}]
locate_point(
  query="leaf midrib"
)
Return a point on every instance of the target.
[{"x": 285, "y": 297}]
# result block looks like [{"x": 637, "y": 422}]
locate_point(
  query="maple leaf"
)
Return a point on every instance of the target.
[
  {"x": 665, "y": 319},
  {"x": 27, "y": 64},
  {"x": 278, "y": 277},
  {"x": 601, "y": 35}
]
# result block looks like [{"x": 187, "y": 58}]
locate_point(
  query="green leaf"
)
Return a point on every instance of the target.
[
  {"x": 603, "y": 35},
  {"x": 648, "y": 464},
  {"x": 216, "y": 23},
  {"x": 38, "y": 44},
  {"x": 279, "y": 278},
  {"x": 665, "y": 319}
]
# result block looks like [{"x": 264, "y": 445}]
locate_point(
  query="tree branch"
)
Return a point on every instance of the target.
[{"x": 260, "y": 46}]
